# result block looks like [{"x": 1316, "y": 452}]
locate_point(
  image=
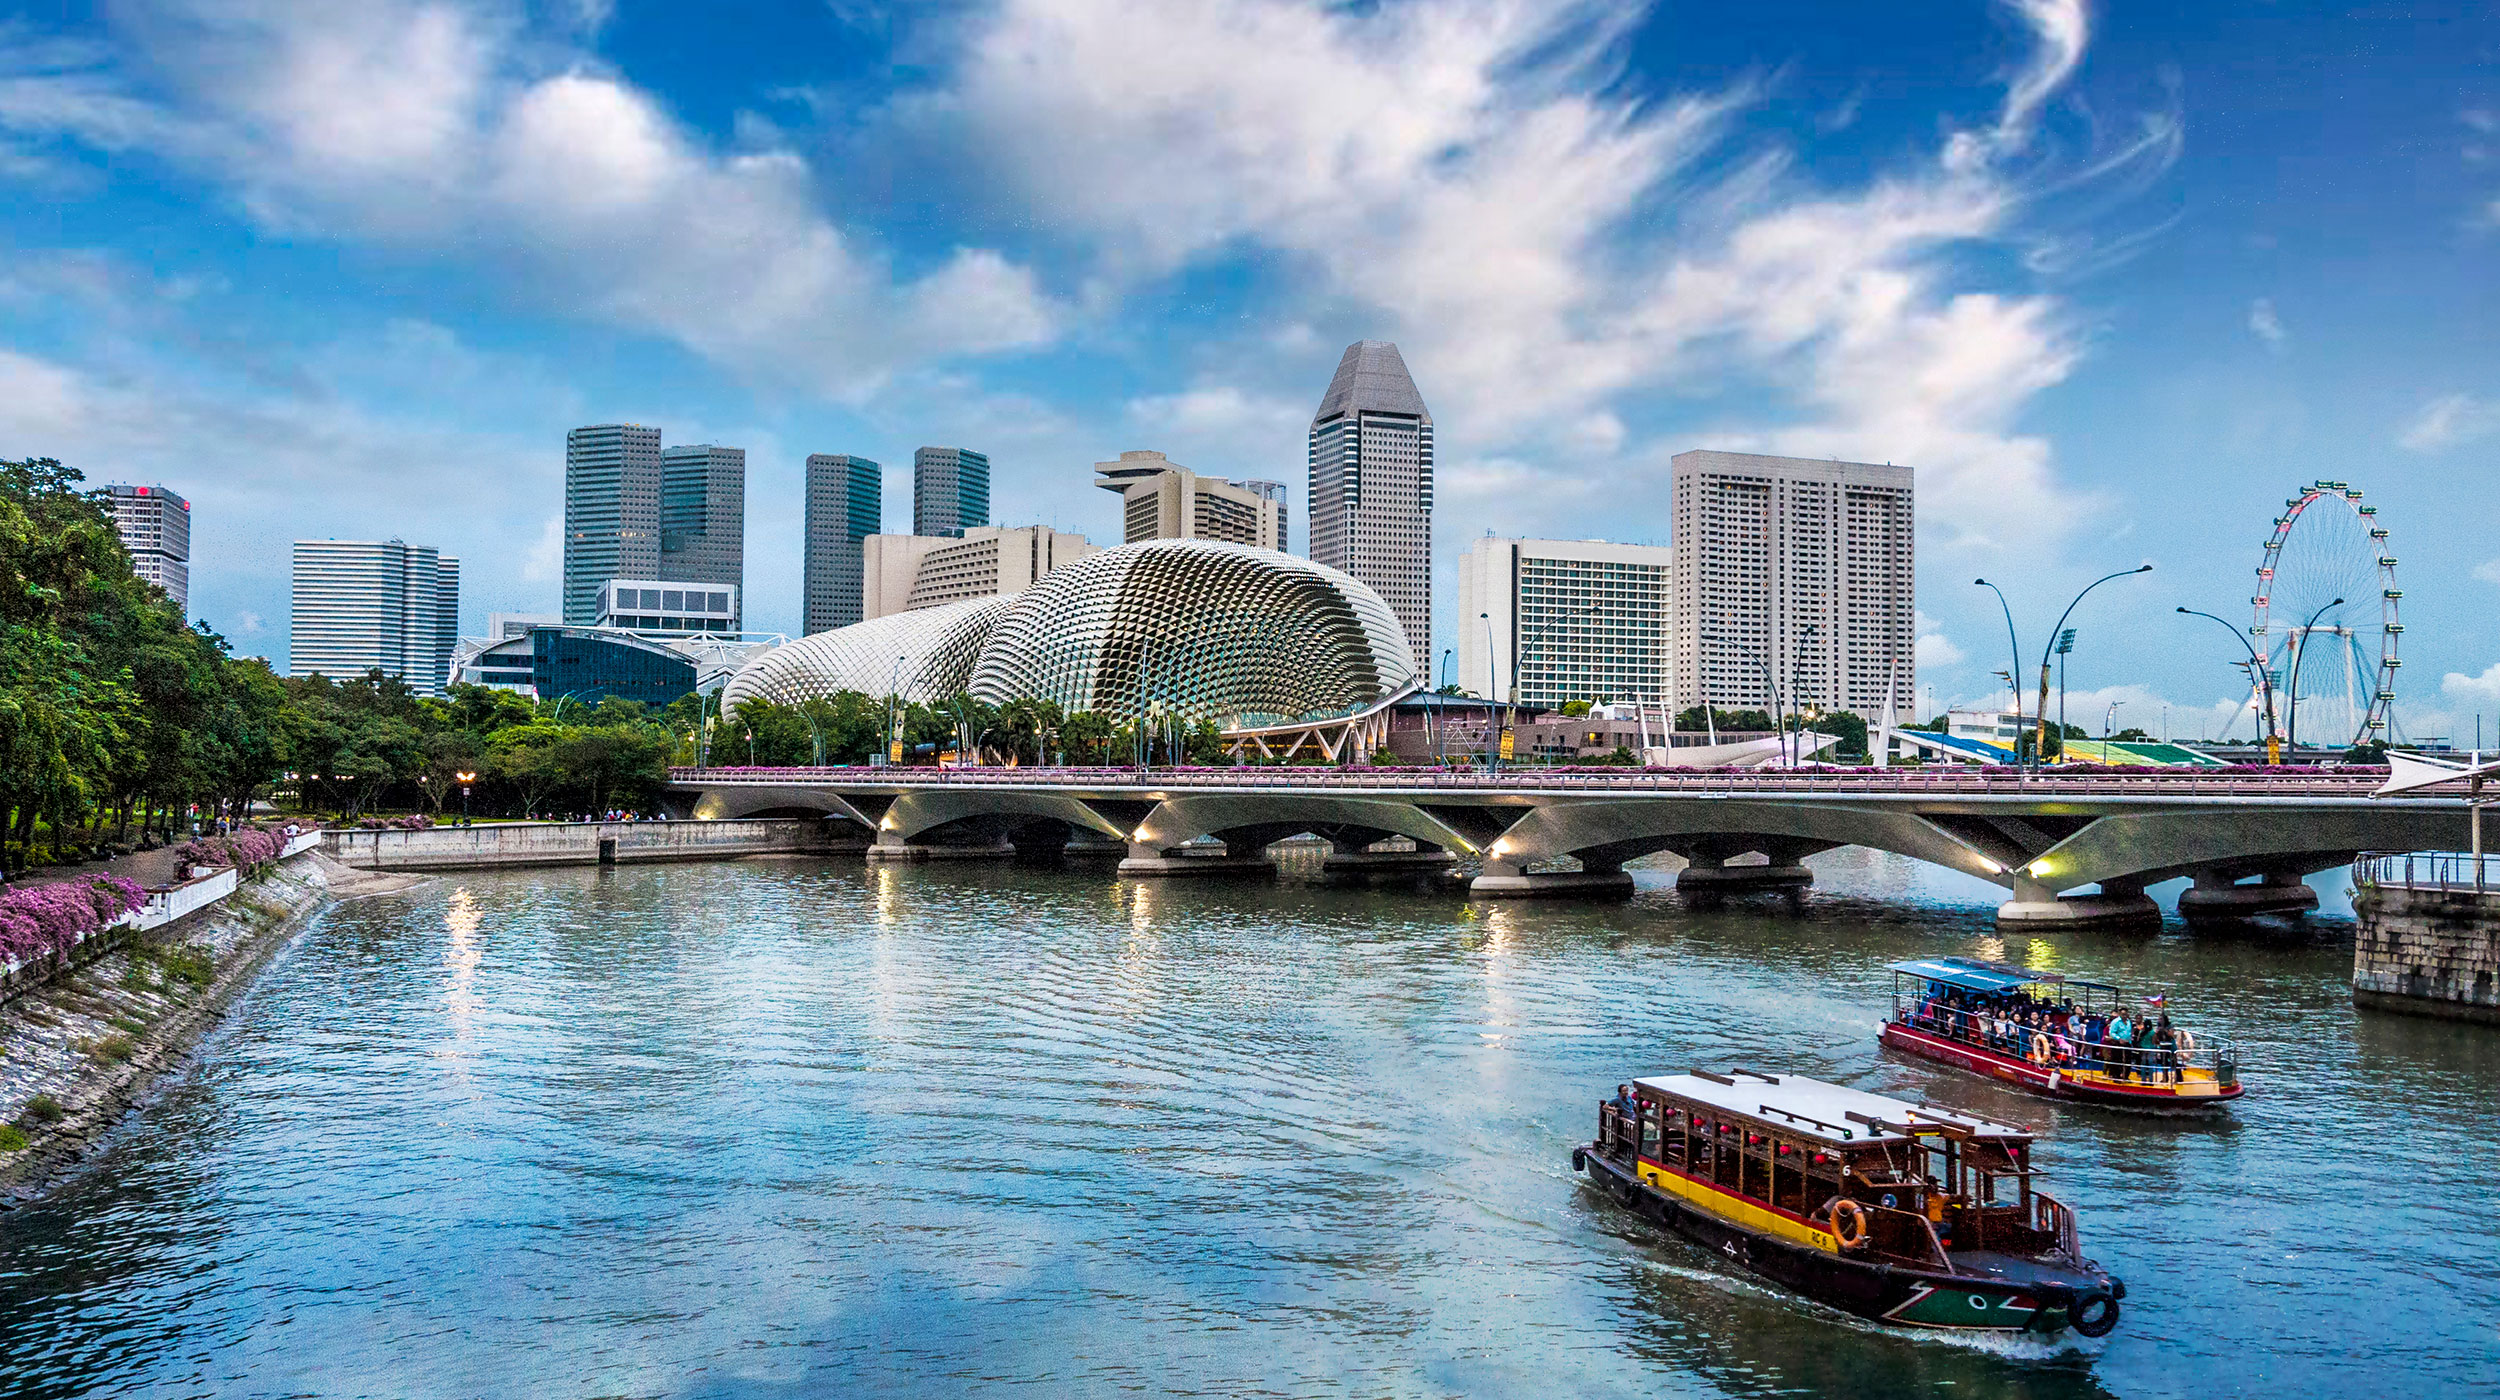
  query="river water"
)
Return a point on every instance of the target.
[{"x": 794, "y": 1128}]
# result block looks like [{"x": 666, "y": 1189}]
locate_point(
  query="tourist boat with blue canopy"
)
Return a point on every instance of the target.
[
  {"x": 1902, "y": 1213},
  {"x": 2056, "y": 1035}
]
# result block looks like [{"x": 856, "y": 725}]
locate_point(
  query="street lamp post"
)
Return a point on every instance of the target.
[
  {"x": 2016, "y": 686},
  {"x": 2040, "y": 745},
  {"x": 1492, "y": 688},
  {"x": 2291, "y": 708},
  {"x": 465, "y": 778},
  {"x": 2256, "y": 673}
]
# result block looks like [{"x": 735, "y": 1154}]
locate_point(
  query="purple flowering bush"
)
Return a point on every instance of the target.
[
  {"x": 51, "y": 918},
  {"x": 414, "y": 822},
  {"x": 243, "y": 850}
]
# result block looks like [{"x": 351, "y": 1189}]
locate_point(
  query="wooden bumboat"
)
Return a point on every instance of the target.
[
  {"x": 1884, "y": 1209},
  {"x": 1941, "y": 1009}
]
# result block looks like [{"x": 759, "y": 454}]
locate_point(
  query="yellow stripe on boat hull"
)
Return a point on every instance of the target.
[{"x": 1737, "y": 1210}]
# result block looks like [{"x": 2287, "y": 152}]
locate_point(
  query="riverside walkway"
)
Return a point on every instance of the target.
[{"x": 2069, "y": 848}]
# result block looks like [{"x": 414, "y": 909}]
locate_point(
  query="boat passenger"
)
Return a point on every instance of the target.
[
  {"x": 2148, "y": 1049},
  {"x": 2121, "y": 1038},
  {"x": 1624, "y": 1103}
]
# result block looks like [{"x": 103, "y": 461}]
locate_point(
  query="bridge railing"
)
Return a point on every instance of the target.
[
  {"x": 2428, "y": 870},
  {"x": 2166, "y": 783}
]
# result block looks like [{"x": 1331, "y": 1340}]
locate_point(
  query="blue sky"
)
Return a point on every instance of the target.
[{"x": 2114, "y": 281}]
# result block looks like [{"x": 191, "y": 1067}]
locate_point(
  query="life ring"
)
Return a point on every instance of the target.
[
  {"x": 2094, "y": 1314},
  {"x": 2039, "y": 1048},
  {"x": 2186, "y": 1041},
  {"x": 1848, "y": 1223}
]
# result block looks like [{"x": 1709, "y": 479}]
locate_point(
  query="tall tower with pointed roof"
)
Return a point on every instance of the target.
[{"x": 1371, "y": 485}]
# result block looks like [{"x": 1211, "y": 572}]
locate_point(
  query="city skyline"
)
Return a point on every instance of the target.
[{"x": 2050, "y": 266}]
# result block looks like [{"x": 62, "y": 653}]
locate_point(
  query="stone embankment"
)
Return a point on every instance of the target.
[
  {"x": 2426, "y": 946},
  {"x": 78, "y": 1048},
  {"x": 585, "y": 843}
]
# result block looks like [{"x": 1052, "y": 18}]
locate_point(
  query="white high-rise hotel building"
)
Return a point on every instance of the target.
[
  {"x": 364, "y": 605},
  {"x": 1371, "y": 484},
  {"x": 1786, "y": 573},
  {"x": 1797, "y": 573}
]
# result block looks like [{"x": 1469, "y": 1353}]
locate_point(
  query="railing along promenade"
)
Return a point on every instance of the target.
[
  {"x": 2039, "y": 833},
  {"x": 2206, "y": 783},
  {"x": 2429, "y": 870}
]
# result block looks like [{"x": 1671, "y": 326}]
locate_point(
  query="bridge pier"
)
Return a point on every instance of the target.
[
  {"x": 1417, "y": 859},
  {"x": 2216, "y": 898},
  {"x": 892, "y": 849},
  {"x": 1595, "y": 879},
  {"x": 2120, "y": 904},
  {"x": 1710, "y": 876},
  {"x": 1147, "y": 859}
]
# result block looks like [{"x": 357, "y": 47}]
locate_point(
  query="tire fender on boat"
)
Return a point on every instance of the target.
[
  {"x": 1579, "y": 1159},
  {"x": 2084, "y": 1319}
]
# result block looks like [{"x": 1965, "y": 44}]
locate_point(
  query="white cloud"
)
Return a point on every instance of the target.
[
  {"x": 2450, "y": 421},
  {"x": 545, "y": 561},
  {"x": 2478, "y": 690},
  {"x": 1538, "y": 243},
  {"x": 2265, "y": 324},
  {"x": 423, "y": 123},
  {"x": 2488, "y": 571},
  {"x": 1935, "y": 648}
]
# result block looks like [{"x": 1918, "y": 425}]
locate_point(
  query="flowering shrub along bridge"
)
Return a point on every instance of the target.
[{"x": 2069, "y": 848}]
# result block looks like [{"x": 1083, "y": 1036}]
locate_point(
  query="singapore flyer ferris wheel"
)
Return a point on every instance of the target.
[{"x": 2326, "y": 621}]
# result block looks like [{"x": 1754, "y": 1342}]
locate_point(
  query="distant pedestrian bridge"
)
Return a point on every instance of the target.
[{"x": 2068, "y": 848}]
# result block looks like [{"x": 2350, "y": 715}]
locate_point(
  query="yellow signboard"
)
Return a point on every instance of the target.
[
  {"x": 894, "y": 752},
  {"x": 1506, "y": 741}
]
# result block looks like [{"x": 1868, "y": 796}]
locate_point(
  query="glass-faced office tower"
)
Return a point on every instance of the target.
[
  {"x": 635, "y": 511},
  {"x": 703, "y": 519},
  {"x": 1371, "y": 484},
  {"x": 611, "y": 512},
  {"x": 950, "y": 490},
  {"x": 845, "y": 505}
]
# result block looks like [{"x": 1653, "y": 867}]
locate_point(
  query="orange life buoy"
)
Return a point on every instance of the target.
[
  {"x": 2039, "y": 1048},
  {"x": 1848, "y": 1223}
]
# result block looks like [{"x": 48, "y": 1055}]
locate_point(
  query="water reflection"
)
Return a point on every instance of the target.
[{"x": 796, "y": 1127}]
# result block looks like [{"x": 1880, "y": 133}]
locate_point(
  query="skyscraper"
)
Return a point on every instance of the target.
[
  {"x": 950, "y": 490},
  {"x": 155, "y": 526},
  {"x": 1162, "y": 500},
  {"x": 845, "y": 505},
  {"x": 703, "y": 516},
  {"x": 363, "y": 605},
  {"x": 611, "y": 511},
  {"x": 1371, "y": 483},
  {"x": 1795, "y": 573},
  {"x": 1557, "y": 620}
]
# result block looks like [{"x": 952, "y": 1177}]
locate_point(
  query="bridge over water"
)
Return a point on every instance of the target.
[{"x": 2067, "y": 848}]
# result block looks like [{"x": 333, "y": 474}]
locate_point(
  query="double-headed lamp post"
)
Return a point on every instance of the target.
[
  {"x": 2012, "y": 682},
  {"x": 2040, "y": 743},
  {"x": 465, "y": 779}
]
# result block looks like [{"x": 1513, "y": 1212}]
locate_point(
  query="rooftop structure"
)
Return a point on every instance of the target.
[
  {"x": 660, "y": 605},
  {"x": 1162, "y": 500},
  {"x": 900, "y": 573}
]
